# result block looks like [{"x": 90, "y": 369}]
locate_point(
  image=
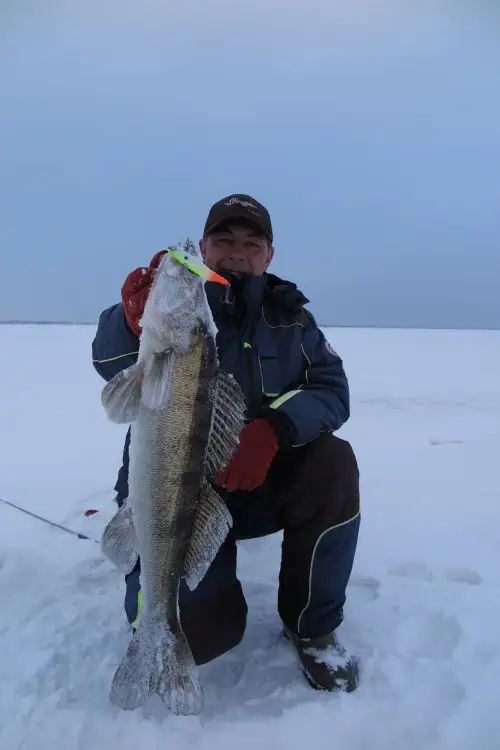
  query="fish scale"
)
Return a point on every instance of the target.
[{"x": 162, "y": 445}]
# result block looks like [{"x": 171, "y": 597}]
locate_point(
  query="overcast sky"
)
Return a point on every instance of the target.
[{"x": 369, "y": 129}]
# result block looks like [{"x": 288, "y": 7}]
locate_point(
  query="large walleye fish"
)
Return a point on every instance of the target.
[{"x": 186, "y": 415}]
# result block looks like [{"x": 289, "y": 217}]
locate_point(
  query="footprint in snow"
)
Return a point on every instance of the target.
[
  {"x": 463, "y": 575},
  {"x": 436, "y": 441},
  {"x": 420, "y": 571},
  {"x": 415, "y": 569},
  {"x": 368, "y": 585},
  {"x": 95, "y": 575},
  {"x": 434, "y": 636}
]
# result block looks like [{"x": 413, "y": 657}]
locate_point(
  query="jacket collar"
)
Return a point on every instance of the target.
[{"x": 244, "y": 297}]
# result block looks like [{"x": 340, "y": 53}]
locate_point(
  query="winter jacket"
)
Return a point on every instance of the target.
[{"x": 270, "y": 343}]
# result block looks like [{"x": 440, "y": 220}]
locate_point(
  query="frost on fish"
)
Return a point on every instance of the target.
[
  {"x": 175, "y": 304},
  {"x": 118, "y": 541},
  {"x": 122, "y": 394},
  {"x": 157, "y": 380},
  {"x": 187, "y": 416},
  {"x": 145, "y": 383},
  {"x": 157, "y": 661},
  {"x": 211, "y": 526},
  {"x": 228, "y": 418},
  {"x": 212, "y": 520}
]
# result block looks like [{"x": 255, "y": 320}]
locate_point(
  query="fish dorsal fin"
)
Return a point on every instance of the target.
[{"x": 228, "y": 419}]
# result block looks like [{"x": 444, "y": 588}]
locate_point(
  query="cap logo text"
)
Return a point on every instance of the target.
[{"x": 239, "y": 202}]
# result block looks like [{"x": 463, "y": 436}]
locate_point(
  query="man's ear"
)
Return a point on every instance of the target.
[
  {"x": 203, "y": 247},
  {"x": 270, "y": 255}
]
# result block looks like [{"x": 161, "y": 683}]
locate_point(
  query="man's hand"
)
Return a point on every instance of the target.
[
  {"x": 135, "y": 290},
  {"x": 249, "y": 466}
]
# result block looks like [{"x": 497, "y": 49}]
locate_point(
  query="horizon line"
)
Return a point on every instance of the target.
[{"x": 391, "y": 326}]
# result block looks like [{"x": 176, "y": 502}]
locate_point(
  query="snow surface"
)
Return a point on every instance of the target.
[{"x": 423, "y": 606}]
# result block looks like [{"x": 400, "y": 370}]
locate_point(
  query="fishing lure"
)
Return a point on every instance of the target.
[{"x": 196, "y": 266}]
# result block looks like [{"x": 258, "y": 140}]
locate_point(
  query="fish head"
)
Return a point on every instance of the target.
[{"x": 177, "y": 307}]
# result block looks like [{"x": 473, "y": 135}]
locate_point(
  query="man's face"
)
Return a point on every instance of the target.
[{"x": 239, "y": 249}]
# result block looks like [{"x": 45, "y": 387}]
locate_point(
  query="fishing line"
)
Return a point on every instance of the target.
[{"x": 49, "y": 522}]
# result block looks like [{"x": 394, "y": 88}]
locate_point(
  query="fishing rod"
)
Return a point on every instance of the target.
[{"x": 49, "y": 522}]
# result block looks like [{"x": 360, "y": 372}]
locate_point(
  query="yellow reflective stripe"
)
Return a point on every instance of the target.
[
  {"x": 281, "y": 400},
  {"x": 139, "y": 610},
  {"x": 311, "y": 564},
  {"x": 113, "y": 359},
  {"x": 309, "y": 365},
  {"x": 246, "y": 345}
]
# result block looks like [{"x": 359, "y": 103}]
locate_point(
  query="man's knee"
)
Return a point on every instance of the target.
[
  {"x": 324, "y": 482},
  {"x": 343, "y": 466},
  {"x": 334, "y": 456}
]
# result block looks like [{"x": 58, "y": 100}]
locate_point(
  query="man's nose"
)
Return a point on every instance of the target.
[{"x": 237, "y": 252}]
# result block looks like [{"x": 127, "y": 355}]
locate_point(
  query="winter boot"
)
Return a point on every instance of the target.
[{"x": 325, "y": 662}]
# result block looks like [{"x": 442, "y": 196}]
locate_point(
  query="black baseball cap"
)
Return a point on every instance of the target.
[{"x": 239, "y": 206}]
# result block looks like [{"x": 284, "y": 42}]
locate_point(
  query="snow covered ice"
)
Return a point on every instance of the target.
[{"x": 423, "y": 606}]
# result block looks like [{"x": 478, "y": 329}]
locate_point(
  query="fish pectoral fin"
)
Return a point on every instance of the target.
[
  {"x": 118, "y": 541},
  {"x": 212, "y": 522},
  {"x": 228, "y": 419},
  {"x": 157, "y": 661},
  {"x": 157, "y": 383},
  {"x": 122, "y": 394}
]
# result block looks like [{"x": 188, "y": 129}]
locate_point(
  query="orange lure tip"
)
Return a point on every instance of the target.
[{"x": 213, "y": 276}]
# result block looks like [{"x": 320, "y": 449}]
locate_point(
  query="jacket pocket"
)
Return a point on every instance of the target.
[{"x": 270, "y": 369}]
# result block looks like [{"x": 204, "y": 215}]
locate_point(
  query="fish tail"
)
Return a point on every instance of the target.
[
  {"x": 179, "y": 686},
  {"x": 158, "y": 661}
]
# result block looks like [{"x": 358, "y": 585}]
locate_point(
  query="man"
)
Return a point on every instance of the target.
[{"x": 289, "y": 472}]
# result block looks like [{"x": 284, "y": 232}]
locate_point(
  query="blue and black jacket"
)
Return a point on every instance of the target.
[{"x": 269, "y": 342}]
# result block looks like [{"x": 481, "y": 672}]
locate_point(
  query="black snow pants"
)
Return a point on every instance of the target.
[{"x": 311, "y": 494}]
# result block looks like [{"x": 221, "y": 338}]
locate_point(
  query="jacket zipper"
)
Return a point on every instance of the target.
[{"x": 251, "y": 379}]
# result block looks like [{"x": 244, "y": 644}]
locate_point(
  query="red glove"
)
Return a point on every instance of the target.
[
  {"x": 135, "y": 291},
  {"x": 249, "y": 466}
]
